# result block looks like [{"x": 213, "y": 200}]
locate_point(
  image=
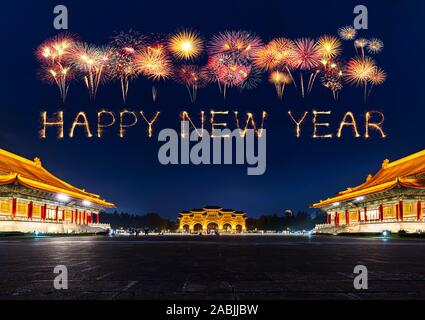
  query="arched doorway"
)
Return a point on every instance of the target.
[
  {"x": 212, "y": 227},
  {"x": 238, "y": 228},
  {"x": 227, "y": 227},
  {"x": 197, "y": 228},
  {"x": 186, "y": 228}
]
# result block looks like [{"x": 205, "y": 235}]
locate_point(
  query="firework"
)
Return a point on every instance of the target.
[
  {"x": 193, "y": 77},
  {"x": 186, "y": 45},
  {"x": 329, "y": 47},
  {"x": 347, "y": 33},
  {"x": 153, "y": 63},
  {"x": 242, "y": 44},
  {"x": 307, "y": 57},
  {"x": 375, "y": 45},
  {"x": 280, "y": 79},
  {"x": 279, "y": 52},
  {"x": 123, "y": 68},
  {"x": 93, "y": 63},
  {"x": 53, "y": 54},
  {"x": 333, "y": 82},
  {"x": 361, "y": 44},
  {"x": 252, "y": 80},
  {"x": 227, "y": 71},
  {"x": 359, "y": 70},
  {"x": 377, "y": 78}
]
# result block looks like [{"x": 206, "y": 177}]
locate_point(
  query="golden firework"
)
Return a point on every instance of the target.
[
  {"x": 377, "y": 77},
  {"x": 153, "y": 64},
  {"x": 186, "y": 45},
  {"x": 280, "y": 80},
  {"x": 329, "y": 46}
]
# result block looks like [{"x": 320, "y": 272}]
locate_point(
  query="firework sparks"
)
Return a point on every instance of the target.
[
  {"x": 53, "y": 54},
  {"x": 329, "y": 47},
  {"x": 375, "y": 46},
  {"x": 359, "y": 70},
  {"x": 307, "y": 58},
  {"x": 242, "y": 44},
  {"x": 279, "y": 79},
  {"x": 186, "y": 45},
  {"x": 93, "y": 63},
  {"x": 193, "y": 77},
  {"x": 347, "y": 33},
  {"x": 153, "y": 63},
  {"x": 361, "y": 44},
  {"x": 123, "y": 68}
]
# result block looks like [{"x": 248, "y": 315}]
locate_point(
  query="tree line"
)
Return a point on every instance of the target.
[{"x": 272, "y": 222}]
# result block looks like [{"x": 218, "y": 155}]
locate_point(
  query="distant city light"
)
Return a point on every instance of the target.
[{"x": 62, "y": 197}]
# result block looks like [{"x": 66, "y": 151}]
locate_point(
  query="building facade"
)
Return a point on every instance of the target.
[
  {"x": 210, "y": 219},
  {"x": 34, "y": 200},
  {"x": 391, "y": 200}
]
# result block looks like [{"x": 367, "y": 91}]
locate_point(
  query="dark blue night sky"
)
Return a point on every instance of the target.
[{"x": 299, "y": 171}]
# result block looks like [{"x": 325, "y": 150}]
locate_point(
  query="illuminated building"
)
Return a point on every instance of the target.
[
  {"x": 391, "y": 200},
  {"x": 212, "y": 218},
  {"x": 34, "y": 200}
]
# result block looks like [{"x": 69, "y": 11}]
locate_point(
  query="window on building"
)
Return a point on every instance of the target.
[
  {"x": 51, "y": 214},
  {"x": 373, "y": 214}
]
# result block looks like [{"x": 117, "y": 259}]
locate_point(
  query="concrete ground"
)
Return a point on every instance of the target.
[{"x": 208, "y": 267}]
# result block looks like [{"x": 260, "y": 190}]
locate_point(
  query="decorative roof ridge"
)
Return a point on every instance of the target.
[{"x": 404, "y": 159}]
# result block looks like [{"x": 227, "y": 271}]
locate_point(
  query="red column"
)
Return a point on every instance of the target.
[
  {"x": 98, "y": 218},
  {"x": 13, "y": 207},
  {"x": 419, "y": 210},
  {"x": 43, "y": 212},
  {"x": 381, "y": 212},
  {"x": 30, "y": 206},
  {"x": 336, "y": 218},
  {"x": 401, "y": 210},
  {"x": 328, "y": 218},
  {"x": 347, "y": 217},
  {"x": 57, "y": 213},
  {"x": 85, "y": 217},
  {"x": 397, "y": 213},
  {"x": 365, "y": 213},
  {"x": 359, "y": 217}
]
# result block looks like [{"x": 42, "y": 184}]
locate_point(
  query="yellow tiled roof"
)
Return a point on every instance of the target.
[
  {"x": 391, "y": 174},
  {"x": 33, "y": 175}
]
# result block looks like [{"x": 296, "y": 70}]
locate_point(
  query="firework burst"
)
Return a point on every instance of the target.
[
  {"x": 53, "y": 55},
  {"x": 123, "y": 68},
  {"x": 347, "y": 33},
  {"x": 359, "y": 70},
  {"x": 242, "y": 44},
  {"x": 185, "y": 45},
  {"x": 153, "y": 64},
  {"x": 375, "y": 46},
  {"x": 279, "y": 79},
  {"x": 329, "y": 47},
  {"x": 193, "y": 77},
  {"x": 307, "y": 57},
  {"x": 93, "y": 64},
  {"x": 361, "y": 44}
]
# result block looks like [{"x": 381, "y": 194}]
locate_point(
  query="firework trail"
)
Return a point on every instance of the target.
[
  {"x": 193, "y": 77},
  {"x": 280, "y": 79},
  {"x": 153, "y": 63},
  {"x": 53, "y": 55},
  {"x": 93, "y": 64},
  {"x": 307, "y": 59},
  {"x": 359, "y": 71},
  {"x": 125, "y": 45}
]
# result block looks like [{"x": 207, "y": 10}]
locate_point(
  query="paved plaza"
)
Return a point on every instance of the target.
[{"x": 211, "y": 267}]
